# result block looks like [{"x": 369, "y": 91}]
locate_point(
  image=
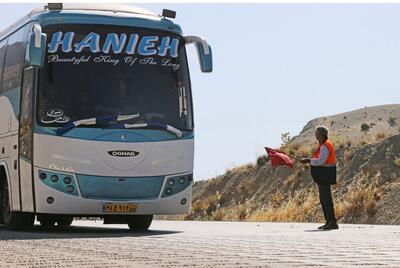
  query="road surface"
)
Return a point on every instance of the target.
[{"x": 202, "y": 244}]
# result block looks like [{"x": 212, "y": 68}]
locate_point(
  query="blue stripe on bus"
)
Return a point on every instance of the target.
[{"x": 113, "y": 135}]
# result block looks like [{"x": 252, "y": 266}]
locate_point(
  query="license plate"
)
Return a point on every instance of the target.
[{"x": 120, "y": 208}]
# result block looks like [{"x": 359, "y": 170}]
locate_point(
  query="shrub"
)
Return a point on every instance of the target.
[
  {"x": 285, "y": 138},
  {"x": 363, "y": 142},
  {"x": 364, "y": 127},
  {"x": 241, "y": 213},
  {"x": 380, "y": 136},
  {"x": 339, "y": 141},
  {"x": 392, "y": 121},
  {"x": 277, "y": 199},
  {"x": 397, "y": 162},
  {"x": 218, "y": 215},
  {"x": 303, "y": 151},
  {"x": 362, "y": 199},
  {"x": 261, "y": 160},
  {"x": 370, "y": 207},
  {"x": 348, "y": 155}
]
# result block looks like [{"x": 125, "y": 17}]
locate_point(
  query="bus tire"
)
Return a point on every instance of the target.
[
  {"x": 46, "y": 221},
  {"x": 13, "y": 219},
  {"x": 65, "y": 220},
  {"x": 140, "y": 222}
]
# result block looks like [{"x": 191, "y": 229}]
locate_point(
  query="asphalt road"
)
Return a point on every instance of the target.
[{"x": 202, "y": 244}]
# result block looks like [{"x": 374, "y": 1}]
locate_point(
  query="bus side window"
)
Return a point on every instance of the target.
[
  {"x": 15, "y": 56},
  {"x": 3, "y": 45},
  {"x": 26, "y": 119}
]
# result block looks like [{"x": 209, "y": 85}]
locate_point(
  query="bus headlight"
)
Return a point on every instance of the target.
[
  {"x": 171, "y": 182},
  {"x": 177, "y": 184},
  {"x": 61, "y": 182},
  {"x": 42, "y": 175},
  {"x": 67, "y": 180},
  {"x": 168, "y": 190},
  {"x": 70, "y": 189}
]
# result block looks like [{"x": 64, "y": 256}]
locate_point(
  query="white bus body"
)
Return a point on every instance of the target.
[{"x": 95, "y": 116}]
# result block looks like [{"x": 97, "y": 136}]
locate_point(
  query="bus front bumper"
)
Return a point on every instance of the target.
[{"x": 53, "y": 201}]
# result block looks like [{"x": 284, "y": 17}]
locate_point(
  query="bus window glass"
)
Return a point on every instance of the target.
[
  {"x": 14, "y": 61},
  {"x": 26, "y": 114},
  {"x": 3, "y": 45},
  {"x": 95, "y": 70}
]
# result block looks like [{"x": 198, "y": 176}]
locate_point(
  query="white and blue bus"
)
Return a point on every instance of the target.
[{"x": 96, "y": 116}]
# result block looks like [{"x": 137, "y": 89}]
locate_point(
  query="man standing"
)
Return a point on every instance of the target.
[{"x": 323, "y": 171}]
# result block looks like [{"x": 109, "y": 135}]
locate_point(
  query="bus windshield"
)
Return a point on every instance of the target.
[{"x": 100, "y": 70}]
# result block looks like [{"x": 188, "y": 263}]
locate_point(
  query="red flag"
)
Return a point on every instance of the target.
[{"x": 278, "y": 158}]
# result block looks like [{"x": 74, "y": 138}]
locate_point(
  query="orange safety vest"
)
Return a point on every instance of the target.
[{"x": 331, "y": 160}]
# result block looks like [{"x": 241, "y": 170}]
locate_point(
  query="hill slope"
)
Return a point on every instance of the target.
[{"x": 368, "y": 176}]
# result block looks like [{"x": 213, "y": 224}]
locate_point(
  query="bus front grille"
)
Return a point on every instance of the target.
[{"x": 120, "y": 188}]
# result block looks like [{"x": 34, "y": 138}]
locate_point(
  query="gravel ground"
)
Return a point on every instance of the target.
[{"x": 202, "y": 244}]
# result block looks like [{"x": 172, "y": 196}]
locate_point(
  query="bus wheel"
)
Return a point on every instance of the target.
[
  {"x": 140, "y": 222},
  {"x": 65, "y": 220},
  {"x": 14, "y": 220},
  {"x": 46, "y": 221}
]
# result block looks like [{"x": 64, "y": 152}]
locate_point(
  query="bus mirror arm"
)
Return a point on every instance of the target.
[
  {"x": 37, "y": 30},
  {"x": 203, "y": 51},
  {"x": 36, "y": 46}
]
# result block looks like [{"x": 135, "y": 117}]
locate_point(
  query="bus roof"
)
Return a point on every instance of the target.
[{"x": 100, "y": 9}]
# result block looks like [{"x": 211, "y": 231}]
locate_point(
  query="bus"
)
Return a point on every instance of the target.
[{"x": 96, "y": 116}]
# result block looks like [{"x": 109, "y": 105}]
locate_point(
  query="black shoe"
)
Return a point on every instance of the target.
[
  {"x": 322, "y": 227},
  {"x": 331, "y": 226}
]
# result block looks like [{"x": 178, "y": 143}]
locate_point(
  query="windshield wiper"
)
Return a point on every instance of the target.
[
  {"x": 93, "y": 121},
  {"x": 162, "y": 126}
]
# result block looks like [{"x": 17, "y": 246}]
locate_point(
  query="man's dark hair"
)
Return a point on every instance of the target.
[{"x": 323, "y": 131}]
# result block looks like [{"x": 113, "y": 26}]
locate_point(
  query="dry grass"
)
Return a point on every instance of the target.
[
  {"x": 380, "y": 136},
  {"x": 362, "y": 143},
  {"x": 340, "y": 141},
  {"x": 277, "y": 199},
  {"x": 249, "y": 186},
  {"x": 241, "y": 213},
  {"x": 304, "y": 152},
  {"x": 296, "y": 209},
  {"x": 207, "y": 206},
  {"x": 360, "y": 200},
  {"x": 348, "y": 155},
  {"x": 219, "y": 215},
  {"x": 241, "y": 169}
]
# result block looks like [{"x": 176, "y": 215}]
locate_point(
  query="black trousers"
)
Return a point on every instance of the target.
[{"x": 325, "y": 197}]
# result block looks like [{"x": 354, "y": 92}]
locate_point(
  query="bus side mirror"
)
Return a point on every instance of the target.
[
  {"x": 203, "y": 51},
  {"x": 36, "y": 47}
]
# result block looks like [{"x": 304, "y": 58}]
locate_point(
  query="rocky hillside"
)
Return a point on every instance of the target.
[
  {"x": 369, "y": 124},
  {"x": 368, "y": 152}
]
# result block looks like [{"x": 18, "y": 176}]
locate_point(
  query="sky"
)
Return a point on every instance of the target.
[{"x": 277, "y": 66}]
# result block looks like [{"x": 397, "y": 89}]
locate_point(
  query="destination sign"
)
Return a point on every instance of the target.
[{"x": 131, "y": 44}]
